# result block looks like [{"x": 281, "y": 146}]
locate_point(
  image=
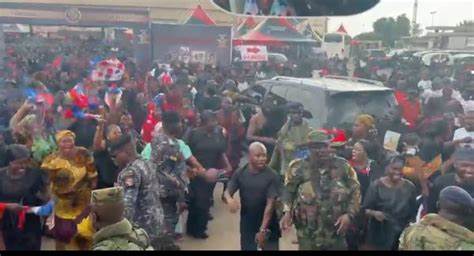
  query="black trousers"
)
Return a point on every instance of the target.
[
  {"x": 16, "y": 240},
  {"x": 200, "y": 194},
  {"x": 250, "y": 226}
]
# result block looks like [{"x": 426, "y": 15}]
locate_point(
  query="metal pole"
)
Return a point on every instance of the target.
[{"x": 432, "y": 17}]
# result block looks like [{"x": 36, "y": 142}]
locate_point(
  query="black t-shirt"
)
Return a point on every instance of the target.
[
  {"x": 254, "y": 189},
  {"x": 106, "y": 169},
  {"x": 211, "y": 103},
  {"x": 23, "y": 191},
  {"x": 442, "y": 182},
  {"x": 207, "y": 147},
  {"x": 84, "y": 130}
]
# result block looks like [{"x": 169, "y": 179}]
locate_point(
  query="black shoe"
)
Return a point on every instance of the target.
[{"x": 201, "y": 236}]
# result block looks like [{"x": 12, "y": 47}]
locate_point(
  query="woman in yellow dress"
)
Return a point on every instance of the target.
[{"x": 72, "y": 176}]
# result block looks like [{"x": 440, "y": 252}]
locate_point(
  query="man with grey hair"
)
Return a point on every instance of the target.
[{"x": 258, "y": 186}]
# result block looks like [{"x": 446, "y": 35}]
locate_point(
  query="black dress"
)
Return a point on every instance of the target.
[
  {"x": 399, "y": 206},
  {"x": 23, "y": 191},
  {"x": 208, "y": 149}
]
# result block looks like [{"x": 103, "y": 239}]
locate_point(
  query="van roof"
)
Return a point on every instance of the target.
[{"x": 338, "y": 84}]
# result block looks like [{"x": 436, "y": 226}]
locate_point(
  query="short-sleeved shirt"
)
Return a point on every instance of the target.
[
  {"x": 183, "y": 148},
  {"x": 208, "y": 147},
  {"x": 254, "y": 188}
]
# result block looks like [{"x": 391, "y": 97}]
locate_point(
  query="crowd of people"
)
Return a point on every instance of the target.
[{"x": 112, "y": 165}]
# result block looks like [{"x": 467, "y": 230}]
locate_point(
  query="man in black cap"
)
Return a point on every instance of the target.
[
  {"x": 446, "y": 230},
  {"x": 462, "y": 177},
  {"x": 141, "y": 189}
]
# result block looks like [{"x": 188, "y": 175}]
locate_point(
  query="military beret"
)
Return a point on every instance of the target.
[
  {"x": 112, "y": 195},
  {"x": 457, "y": 195},
  {"x": 119, "y": 143}
]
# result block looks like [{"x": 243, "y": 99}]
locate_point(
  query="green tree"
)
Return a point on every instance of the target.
[
  {"x": 371, "y": 36},
  {"x": 417, "y": 30},
  {"x": 465, "y": 26},
  {"x": 402, "y": 26},
  {"x": 389, "y": 30}
]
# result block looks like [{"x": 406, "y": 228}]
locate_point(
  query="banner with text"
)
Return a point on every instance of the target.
[{"x": 253, "y": 53}]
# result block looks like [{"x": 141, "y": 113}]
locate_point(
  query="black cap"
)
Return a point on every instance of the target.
[
  {"x": 464, "y": 154},
  {"x": 458, "y": 196},
  {"x": 294, "y": 106},
  {"x": 298, "y": 107},
  {"x": 119, "y": 143}
]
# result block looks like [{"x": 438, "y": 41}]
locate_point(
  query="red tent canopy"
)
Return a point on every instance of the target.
[
  {"x": 341, "y": 29},
  {"x": 246, "y": 26},
  {"x": 200, "y": 17},
  {"x": 250, "y": 22}
]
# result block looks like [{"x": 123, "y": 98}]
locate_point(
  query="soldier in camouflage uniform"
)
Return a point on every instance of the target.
[
  {"x": 291, "y": 134},
  {"x": 171, "y": 169},
  {"x": 321, "y": 196},
  {"x": 114, "y": 232},
  {"x": 141, "y": 190},
  {"x": 445, "y": 230}
]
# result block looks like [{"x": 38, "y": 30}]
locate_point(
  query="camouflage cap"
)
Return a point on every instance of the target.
[
  {"x": 318, "y": 137},
  {"x": 112, "y": 195}
]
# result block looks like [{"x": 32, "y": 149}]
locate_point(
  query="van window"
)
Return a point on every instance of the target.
[
  {"x": 279, "y": 90},
  {"x": 333, "y": 38},
  {"x": 312, "y": 100},
  {"x": 344, "y": 107}
]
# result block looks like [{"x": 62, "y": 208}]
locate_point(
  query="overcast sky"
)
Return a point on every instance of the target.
[{"x": 448, "y": 13}]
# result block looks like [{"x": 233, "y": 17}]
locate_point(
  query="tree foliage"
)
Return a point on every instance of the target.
[
  {"x": 369, "y": 36},
  {"x": 465, "y": 26},
  {"x": 417, "y": 30},
  {"x": 388, "y": 30}
]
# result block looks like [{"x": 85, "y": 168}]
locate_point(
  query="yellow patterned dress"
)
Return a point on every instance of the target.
[{"x": 71, "y": 185}]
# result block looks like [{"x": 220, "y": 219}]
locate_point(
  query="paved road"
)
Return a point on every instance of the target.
[{"x": 223, "y": 231}]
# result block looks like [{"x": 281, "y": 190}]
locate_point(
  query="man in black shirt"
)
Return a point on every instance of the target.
[
  {"x": 258, "y": 186},
  {"x": 84, "y": 129},
  {"x": 463, "y": 177}
]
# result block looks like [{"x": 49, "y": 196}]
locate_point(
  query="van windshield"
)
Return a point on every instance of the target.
[
  {"x": 344, "y": 107},
  {"x": 377, "y": 54},
  {"x": 333, "y": 38}
]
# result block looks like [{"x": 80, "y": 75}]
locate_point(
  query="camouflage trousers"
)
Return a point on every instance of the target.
[
  {"x": 311, "y": 242},
  {"x": 171, "y": 217}
]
